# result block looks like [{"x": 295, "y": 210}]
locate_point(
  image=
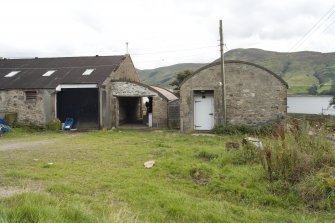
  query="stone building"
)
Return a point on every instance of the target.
[
  {"x": 254, "y": 96},
  {"x": 98, "y": 92}
]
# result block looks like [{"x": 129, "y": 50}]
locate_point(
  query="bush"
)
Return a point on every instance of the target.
[
  {"x": 54, "y": 125},
  {"x": 297, "y": 155},
  {"x": 31, "y": 127},
  {"x": 248, "y": 154},
  {"x": 242, "y": 130},
  {"x": 206, "y": 156},
  {"x": 318, "y": 191},
  {"x": 10, "y": 118}
]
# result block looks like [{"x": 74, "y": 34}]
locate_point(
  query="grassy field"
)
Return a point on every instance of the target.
[{"x": 99, "y": 177}]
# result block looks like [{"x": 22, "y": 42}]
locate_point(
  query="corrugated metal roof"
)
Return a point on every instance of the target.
[
  {"x": 169, "y": 95},
  {"x": 69, "y": 70}
]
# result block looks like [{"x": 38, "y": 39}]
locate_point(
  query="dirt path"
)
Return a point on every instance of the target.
[
  {"x": 25, "y": 144},
  {"x": 30, "y": 144}
]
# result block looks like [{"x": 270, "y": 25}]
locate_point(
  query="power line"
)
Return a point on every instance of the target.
[
  {"x": 179, "y": 45},
  {"x": 325, "y": 18},
  {"x": 326, "y": 28},
  {"x": 169, "y": 57},
  {"x": 173, "y": 51},
  {"x": 315, "y": 27}
]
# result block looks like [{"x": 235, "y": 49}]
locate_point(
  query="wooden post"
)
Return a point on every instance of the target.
[{"x": 223, "y": 78}]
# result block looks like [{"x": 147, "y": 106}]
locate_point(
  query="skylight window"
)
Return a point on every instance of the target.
[
  {"x": 12, "y": 73},
  {"x": 48, "y": 73},
  {"x": 88, "y": 71}
]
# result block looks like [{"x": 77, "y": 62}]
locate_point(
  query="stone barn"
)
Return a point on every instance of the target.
[
  {"x": 254, "y": 96},
  {"x": 98, "y": 92}
]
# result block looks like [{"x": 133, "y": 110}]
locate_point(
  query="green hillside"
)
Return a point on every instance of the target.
[
  {"x": 163, "y": 76},
  {"x": 301, "y": 70}
]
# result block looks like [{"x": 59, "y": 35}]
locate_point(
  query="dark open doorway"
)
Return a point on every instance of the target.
[
  {"x": 130, "y": 110},
  {"x": 147, "y": 114},
  {"x": 82, "y": 104}
]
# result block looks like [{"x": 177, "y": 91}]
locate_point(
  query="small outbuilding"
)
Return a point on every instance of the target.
[{"x": 254, "y": 95}]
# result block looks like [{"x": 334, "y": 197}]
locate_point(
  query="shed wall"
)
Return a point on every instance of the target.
[
  {"x": 159, "y": 110},
  {"x": 37, "y": 112},
  {"x": 254, "y": 96},
  {"x": 174, "y": 114}
]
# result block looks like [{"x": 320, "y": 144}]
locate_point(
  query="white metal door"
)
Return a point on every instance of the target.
[{"x": 204, "y": 111}]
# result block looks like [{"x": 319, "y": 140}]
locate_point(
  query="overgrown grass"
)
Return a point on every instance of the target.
[
  {"x": 242, "y": 130},
  {"x": 100, "y": 177}
]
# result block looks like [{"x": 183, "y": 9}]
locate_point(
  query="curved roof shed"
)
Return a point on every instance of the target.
[{"x": 255, "y": 96}]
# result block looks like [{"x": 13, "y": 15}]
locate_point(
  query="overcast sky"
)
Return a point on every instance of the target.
[{"x": 162, "y": 32}]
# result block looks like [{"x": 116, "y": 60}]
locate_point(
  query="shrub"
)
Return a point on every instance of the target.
[
  {"x": 10, "y": 118},
  {"x": 206, "y": 156},
  {"x": 318, "y": 191},
  {"x": 247, "y": 154},
  {"x": 297, "y": 155},
  {"x": 241, "y": 130},
  {"x": 54, "y": 125},
  {"x": 31, "y": 127}
]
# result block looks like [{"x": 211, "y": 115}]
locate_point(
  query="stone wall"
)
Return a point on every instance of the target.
[
  {"x": 126, "y": 71},
  {"x": 174, "y": 114},
  {"x": 37, "y": 112},
  {"x": 254, "y": 96},
  {"x": 159, "y": 112},
  {"x": 207, "y": 79},
  {"x": 129, "y": 89}
]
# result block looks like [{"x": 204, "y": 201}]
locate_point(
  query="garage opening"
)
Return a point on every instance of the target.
[
  {"x": 82, "y": 104},
  {"x": 130, "y": 110}
]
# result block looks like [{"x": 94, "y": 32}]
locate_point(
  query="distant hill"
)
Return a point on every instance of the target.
[
  {"x": 305, "y": 72},
  {"x": 163, "y": 76}
]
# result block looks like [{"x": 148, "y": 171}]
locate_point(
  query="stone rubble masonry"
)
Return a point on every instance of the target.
[
  {"x": 255, "y": 97},
  {"x": 174, "y": 114},
  {"x": 159, "y": 112},
  {"x": 126, "y": 71},
  {"x": 128, "y": 89},
  {"x": 37, "y": 112}
]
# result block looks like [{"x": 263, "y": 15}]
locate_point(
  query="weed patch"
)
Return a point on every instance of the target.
[
  {"x": 244, "y": 130},
  {"x": 201, "y": 174},
  {"x": 206, "y": 156},
  {"x": 318, "y": 191}
]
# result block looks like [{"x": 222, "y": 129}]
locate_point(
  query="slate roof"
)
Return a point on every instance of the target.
[{"x": 69, "y": 70}]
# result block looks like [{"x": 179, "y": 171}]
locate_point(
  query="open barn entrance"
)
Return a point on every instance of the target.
[
  {"x": 134, "y": 103},
  {"x": 130, "y": 111},
  {"x": 82, "y": 104}
]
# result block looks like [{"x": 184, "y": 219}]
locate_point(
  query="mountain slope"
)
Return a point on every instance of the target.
[
  {"x": 301, "y": 70},
  {"x": 163, "y": 76}
]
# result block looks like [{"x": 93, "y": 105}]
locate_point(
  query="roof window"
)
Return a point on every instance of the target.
[
  {"x": 12, "y": 73},
  {"x": 48, "y": 73},
  {"x": 88, "y": 71}
]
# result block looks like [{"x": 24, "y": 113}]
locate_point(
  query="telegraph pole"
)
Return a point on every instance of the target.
[{"x": 223, "y": 78}]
